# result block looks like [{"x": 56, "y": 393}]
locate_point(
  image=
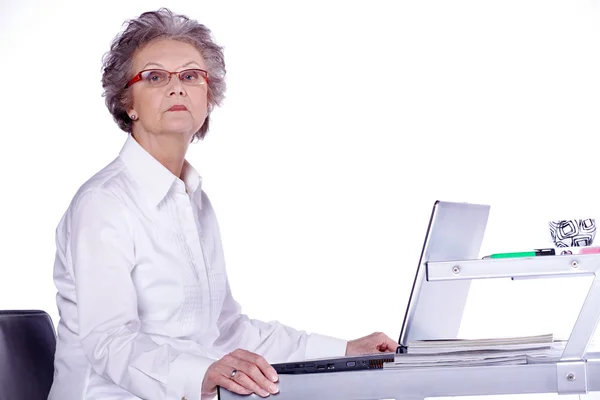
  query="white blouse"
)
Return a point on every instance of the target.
[{"x": 144, "y": 300}]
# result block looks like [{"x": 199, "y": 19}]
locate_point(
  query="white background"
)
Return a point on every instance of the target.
[{"x": 343, "y": 122}]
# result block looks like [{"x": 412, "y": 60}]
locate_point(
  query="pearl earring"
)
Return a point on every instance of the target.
[{"x": 133, "y": 117}]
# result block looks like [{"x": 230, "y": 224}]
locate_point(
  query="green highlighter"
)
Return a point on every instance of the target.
[{"x": 521, "y": 254}]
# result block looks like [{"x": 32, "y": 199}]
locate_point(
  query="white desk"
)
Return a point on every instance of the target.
[
  {"x": 577, "y": 371},
  {"x": 418, "y": 384}
]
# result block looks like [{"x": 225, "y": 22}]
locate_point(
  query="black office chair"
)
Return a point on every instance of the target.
[{"x": 27, "y": 345}]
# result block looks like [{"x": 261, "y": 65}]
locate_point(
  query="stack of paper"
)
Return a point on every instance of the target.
[
  {"x": 520, "y": 344},
  {"x": 453, "y": 360},
  {"x": 472, "y": 352}
]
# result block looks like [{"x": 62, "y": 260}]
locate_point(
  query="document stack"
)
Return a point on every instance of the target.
[{"x": 472, "y": 352}]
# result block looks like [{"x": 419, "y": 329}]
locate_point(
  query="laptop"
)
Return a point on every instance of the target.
[{"x": 434, "y": 311}]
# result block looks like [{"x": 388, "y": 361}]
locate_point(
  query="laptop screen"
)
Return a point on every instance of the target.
[{"x": 434, "y": 310}]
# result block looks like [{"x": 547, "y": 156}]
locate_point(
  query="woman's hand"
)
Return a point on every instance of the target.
[
  {"x": 241, "y": 372},
  {"x": 374, "y": 343}
]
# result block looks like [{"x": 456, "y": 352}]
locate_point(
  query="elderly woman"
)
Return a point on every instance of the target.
[{"x": 146, "y": 310}]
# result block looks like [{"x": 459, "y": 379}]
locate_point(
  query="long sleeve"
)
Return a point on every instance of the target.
[
  {"x": 273, "y": 340},
  {"x": 102, "y": 254}
]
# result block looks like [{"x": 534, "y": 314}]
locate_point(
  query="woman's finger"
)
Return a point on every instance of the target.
[
  {"x": 389, "y": 345},
  {"x": 255, "y": 374},
  {"x": 232, "y": 386},
  {"x": 392, "y": 344},
  {"x": 266, "y": 368},
  {"x": 244, "y": 380},
  {"x": 221, "y": 376}
]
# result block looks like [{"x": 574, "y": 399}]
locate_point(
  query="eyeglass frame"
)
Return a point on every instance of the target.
[{"x": 138, "y": 76}]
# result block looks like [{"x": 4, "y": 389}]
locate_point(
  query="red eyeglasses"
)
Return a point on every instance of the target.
[{"x": 160, "y": 77}]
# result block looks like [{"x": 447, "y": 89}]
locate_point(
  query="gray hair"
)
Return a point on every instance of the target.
[{"x": 160, "y": 24}]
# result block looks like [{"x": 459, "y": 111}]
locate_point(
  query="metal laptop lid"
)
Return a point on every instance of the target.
[{"x": 435, "y": 309}]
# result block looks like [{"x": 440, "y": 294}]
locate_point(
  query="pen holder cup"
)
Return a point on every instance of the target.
[{"x": 573, "y": 232}]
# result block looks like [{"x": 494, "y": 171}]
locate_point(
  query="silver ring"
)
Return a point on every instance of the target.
[{"x": 233, "y": 374}]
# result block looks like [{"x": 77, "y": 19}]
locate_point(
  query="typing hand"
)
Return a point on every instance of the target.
[
  {"x": 241, "y": 372},
  {"x": 373, "y": 343}
]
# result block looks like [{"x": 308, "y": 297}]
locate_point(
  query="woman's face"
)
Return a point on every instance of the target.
[{"x": 177, "y": 107}]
